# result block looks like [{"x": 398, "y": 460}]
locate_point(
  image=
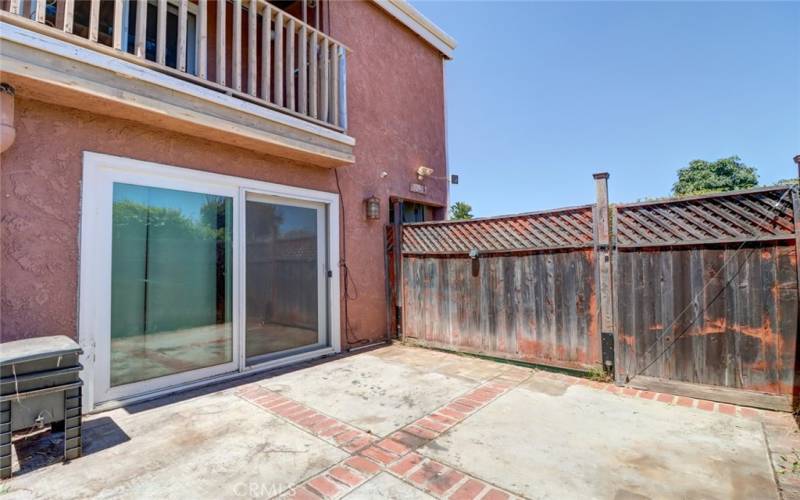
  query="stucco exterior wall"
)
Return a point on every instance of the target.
[
  {"x": 395, "y": 97},
  {"x": 396, "y": 113}
]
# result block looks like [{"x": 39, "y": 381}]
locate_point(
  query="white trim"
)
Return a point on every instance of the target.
[
  {"x": 334, "y": 267},
  {"x": 99, "y": 173},
  {"x": 125, "y": 69},
  {"x": 99, "y": 177},
  {"x": 447, "y": 184},
  {"x": 419, "y": 24},
  {"x": 241, "y": 251}
]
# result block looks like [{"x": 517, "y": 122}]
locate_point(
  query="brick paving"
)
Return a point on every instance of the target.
[
  {"x": 408, "y": 420},
  {"x": 396, "y": 453}
]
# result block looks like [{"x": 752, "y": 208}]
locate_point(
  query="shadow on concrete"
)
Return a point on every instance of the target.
[{"x": 41, "y": 449}]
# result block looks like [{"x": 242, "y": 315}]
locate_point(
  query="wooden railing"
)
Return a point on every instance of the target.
[{"x": 288, "y": 64}]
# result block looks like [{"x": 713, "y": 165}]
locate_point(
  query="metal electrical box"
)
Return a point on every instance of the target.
[{"x": 40, "y": 385}]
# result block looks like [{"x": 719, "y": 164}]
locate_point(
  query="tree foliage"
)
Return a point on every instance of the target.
[
  {"x": 461, "y": 211},
  {"x": 787, "y": 182},
  {"x": 725, "y": 174},
  {"x": 131, "y": 218}
]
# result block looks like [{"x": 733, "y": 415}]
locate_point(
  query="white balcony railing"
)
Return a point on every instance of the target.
[{"x": 250, "y": 49}]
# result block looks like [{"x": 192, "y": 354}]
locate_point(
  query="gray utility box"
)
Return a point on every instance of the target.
[{"x": 39, "y": 385}]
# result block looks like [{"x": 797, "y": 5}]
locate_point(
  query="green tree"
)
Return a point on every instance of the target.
[
  {"x": 461, "y": 211},
  {"x": 725, "y": 174}
]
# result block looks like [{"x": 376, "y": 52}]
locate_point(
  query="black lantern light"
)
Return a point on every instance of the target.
[{"x": 373, "y": 204}]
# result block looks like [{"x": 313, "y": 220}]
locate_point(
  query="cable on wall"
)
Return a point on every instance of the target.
[{"x": 348, "y": 279}]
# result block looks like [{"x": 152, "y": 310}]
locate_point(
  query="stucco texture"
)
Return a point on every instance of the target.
[
  {"x": 396, "y": 113},
  {"x": 395, "y": 99}
]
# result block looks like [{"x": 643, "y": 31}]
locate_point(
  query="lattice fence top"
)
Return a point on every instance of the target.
[
  {"x": 565, "y": 228},
  {"x": 763, "y": 214}
]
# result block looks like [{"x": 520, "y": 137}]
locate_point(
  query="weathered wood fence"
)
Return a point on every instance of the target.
[
  {"x": 706, "y": 293},
  {"x": 530, "y": 295},
  {"x": 696, "y": 296}
]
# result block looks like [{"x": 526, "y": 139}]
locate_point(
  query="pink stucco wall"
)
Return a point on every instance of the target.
[
  {"x": 396, "y": 114},
  {"x": 395, "y": 97}
]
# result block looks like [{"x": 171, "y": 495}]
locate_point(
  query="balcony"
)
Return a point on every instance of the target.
[{"x": 278, "y": 81}]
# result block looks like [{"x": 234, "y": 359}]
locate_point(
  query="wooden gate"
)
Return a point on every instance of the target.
[
  {"x": 695, "y": 296},
  {"x": 706, "y": 293}
]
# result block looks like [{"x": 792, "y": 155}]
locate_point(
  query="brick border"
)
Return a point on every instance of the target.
[
  {"x": 661, "y": 397},
  {"x": 395, "y": 453},
  {"x": 441, "y": 481},
  {"x": 369, "y": 455},
  {"x": 329, "y": 429},
  {"x": 434, "y": 424},
  {"x": 422, "y": 473},
  {"x": 336, "y": 481}
]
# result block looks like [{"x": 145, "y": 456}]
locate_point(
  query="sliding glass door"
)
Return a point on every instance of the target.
[
  {"x": 188, "y": 275},
  {"x": 171, "y": 282},
  {"x": 284, "y": 275}
]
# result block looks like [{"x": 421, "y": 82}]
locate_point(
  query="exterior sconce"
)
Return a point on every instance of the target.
[
  {"x": 7, "y": 130},
  {"x": 373, "y": 205},
  {"x": 423, "y": 172}
]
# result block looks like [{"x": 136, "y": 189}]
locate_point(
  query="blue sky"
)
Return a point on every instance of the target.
[{"x": 542, "y": 94}]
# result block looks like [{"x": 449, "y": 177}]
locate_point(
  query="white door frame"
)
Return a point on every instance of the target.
[
  {"x": 98, "y": 201},
  {"x": 100, "y": 171},
  {"x": 322, "y": 266}
]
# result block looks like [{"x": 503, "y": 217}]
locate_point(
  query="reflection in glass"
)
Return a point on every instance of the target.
[
  {"x": 170, "y": 282},
  {"x": 281, "y": 278}
]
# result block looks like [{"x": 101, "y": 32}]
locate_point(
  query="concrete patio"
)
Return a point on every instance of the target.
[{"x": 404, "y": 422}]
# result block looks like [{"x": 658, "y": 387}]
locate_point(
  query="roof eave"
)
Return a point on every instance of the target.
[{"x": 419, "y": 24}]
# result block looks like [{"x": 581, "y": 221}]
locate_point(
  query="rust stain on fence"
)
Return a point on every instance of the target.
[
  {"x": 718, "y": 305},
  {"x": 533, "y": 299},
  {"x": 705, "y": 289}
]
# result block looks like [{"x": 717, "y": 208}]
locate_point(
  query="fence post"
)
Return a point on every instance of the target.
[
  {"x": 603, "y": 256},
  {"x": 796, "y": 211}
]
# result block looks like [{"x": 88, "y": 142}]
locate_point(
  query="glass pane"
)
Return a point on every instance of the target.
[
  {"x": 170, "y": 282},
  {"x": 281, "y": 278}
]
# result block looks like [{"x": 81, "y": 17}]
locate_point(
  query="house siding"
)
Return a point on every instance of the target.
[{"x": 395, "y": 113}]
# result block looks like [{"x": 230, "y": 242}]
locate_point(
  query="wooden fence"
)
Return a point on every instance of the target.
[
  {"x": 706, "y": 292},
  {"x": 695, "y": 296},
  {"x": 530, "y": 295}
]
